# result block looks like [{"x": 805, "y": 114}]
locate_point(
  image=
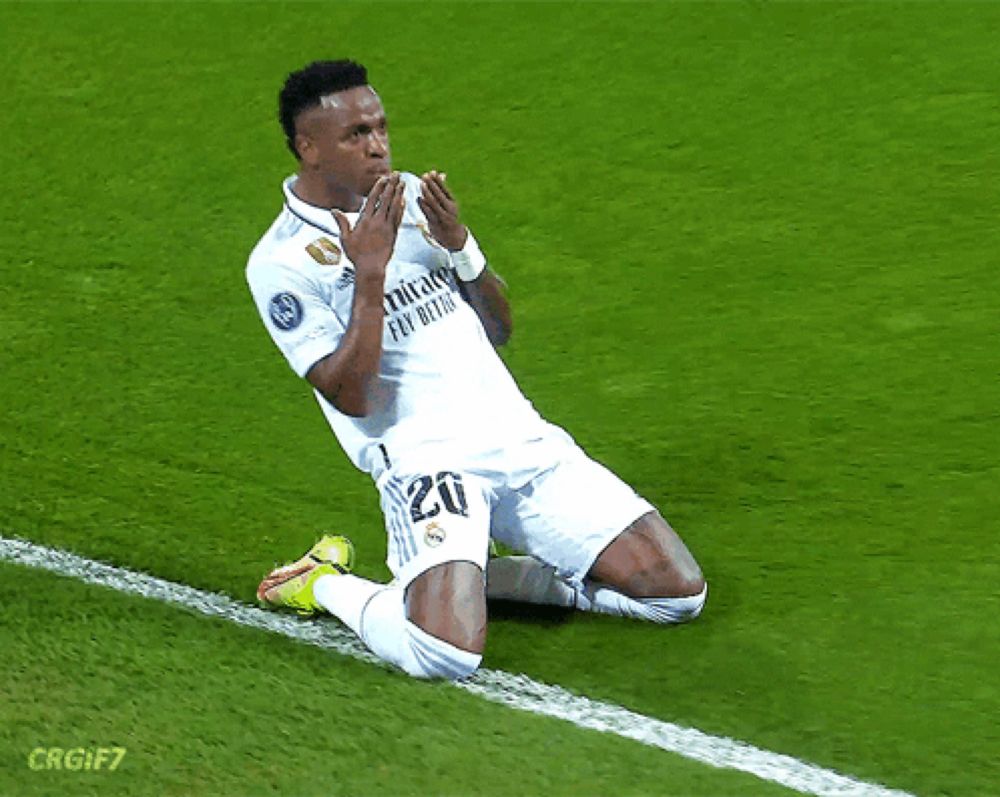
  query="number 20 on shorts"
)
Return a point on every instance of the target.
[{"x": 424, "y": 492}]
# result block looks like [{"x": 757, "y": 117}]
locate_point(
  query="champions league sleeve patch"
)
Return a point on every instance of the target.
[{"x": 285, "y": 310}]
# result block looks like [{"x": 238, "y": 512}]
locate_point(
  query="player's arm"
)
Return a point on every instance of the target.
[
  {"x": 345, "y": 377},
  {"x": 486, "y": 295},
  {"x": 482, "y": 289}
]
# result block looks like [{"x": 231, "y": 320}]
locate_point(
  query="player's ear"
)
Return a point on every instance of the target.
[{"x": 306, "y": 148}]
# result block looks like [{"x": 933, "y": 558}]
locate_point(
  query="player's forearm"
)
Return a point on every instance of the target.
[
  {"x": 347, "y": 377},
  {"x": 363, "y": 355},
  {"x": 486, "y": 296}
]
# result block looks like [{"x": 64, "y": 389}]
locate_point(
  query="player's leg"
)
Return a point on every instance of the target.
[
  {"x": 435, "y": 628},
  {"x": 646, "y": 572},
  {"x": 525, "y": 579},
  {"x": 449, "y": 602},
  {"x": 431, "y": 620},
  {"x": 611, "y": 553},
  {"x": 648, "y": 559},
  {"x": 529, "y": 580}
]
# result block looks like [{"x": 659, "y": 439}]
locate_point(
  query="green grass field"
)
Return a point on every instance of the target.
[{"x": 752, "y": 255}]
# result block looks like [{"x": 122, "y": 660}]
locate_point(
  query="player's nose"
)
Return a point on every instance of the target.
[{"x": 378, "y": 145}]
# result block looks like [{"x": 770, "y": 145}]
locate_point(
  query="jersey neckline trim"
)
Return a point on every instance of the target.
[
  {"x": 309, "y": 221},
  {"x": 303, "y": 211}
]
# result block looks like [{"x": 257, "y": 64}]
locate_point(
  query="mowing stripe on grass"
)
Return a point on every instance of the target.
[{"x": 516, "y": 691}]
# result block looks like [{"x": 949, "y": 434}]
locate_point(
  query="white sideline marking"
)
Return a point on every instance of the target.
[{"x": 516, "y": 691}]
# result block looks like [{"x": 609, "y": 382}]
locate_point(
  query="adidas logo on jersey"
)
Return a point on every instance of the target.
[{"x": 346, "y": 279}]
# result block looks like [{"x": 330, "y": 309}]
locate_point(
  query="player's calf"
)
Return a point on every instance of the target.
[
  {"x": 377, "y": 614},
  {"x": 448, "y": 601},
  {"x": 438, "y": 630},
  {"x": 435, "y": 628},
  {"x": 385, "y": 629}
]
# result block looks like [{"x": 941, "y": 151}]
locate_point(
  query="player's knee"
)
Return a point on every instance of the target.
[
  {"x": 434, "y": 658},
  {"x": 664, "y": 579},
  {"x": 692, "y": 586}
]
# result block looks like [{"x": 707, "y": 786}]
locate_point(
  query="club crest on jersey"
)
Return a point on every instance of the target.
[
  {"x": 285, "y": 310},
  {"x": 324, "y": 251},
  {"x": 434, "y": 535}
]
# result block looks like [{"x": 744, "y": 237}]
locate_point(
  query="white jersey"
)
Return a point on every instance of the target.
[{"x": 441, "y": 385}]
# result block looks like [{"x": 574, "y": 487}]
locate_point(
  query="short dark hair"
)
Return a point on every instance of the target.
[{"x": 303, "y": 90}]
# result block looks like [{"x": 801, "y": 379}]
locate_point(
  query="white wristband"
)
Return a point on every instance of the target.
[{"x": 469, "y": 261}]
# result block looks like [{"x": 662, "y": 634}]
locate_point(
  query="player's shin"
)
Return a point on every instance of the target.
[{"x": 527, "y": 580}]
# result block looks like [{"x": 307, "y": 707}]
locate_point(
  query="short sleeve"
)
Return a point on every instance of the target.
[{"x": 297, "y": 314}]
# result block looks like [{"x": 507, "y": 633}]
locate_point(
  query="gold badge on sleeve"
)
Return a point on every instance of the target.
[{"x": 324, "y": 251}]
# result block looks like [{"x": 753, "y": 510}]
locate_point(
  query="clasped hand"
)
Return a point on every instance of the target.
[
  {"x": 369, "y": 245},
  {"x": 441, "y": 210}
]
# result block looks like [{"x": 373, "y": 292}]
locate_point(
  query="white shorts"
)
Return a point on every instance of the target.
[{"x": 544, "y": 497}]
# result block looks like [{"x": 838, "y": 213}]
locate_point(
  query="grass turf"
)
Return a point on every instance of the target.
[
  {"x": 751, "y": 252},
  {"x": 197, "y": 715}
]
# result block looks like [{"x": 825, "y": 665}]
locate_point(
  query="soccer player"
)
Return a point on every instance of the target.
[{"x": 379, "y": 296}]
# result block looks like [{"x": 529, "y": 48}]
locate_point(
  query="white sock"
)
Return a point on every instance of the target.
[
  {"x": 604, "y": 600},
  {"x": 377, "y": 613},
  {"x": 345, "y": 596}
]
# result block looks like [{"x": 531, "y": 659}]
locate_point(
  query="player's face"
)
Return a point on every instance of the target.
[{"x": 346, "y": 139}]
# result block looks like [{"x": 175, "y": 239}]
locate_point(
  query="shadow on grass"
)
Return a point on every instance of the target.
[{"x": 529, "y": 612}]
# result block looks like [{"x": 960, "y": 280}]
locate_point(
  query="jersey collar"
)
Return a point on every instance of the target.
[{"x": 321, "y": 218}]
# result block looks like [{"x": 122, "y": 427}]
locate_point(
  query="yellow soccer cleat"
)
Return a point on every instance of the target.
[{"x": 292, "y": 585}]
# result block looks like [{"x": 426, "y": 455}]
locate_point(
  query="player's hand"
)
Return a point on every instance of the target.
[
  {"x": 369, "y": 245},
  {"x": 441, "y": 210}
]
